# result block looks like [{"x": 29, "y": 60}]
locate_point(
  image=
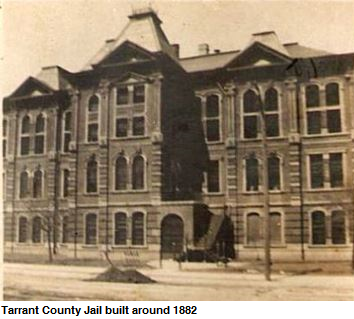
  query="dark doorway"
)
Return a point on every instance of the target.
[{"x": 172, "y": 234}]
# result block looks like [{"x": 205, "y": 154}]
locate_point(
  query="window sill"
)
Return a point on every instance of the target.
[
  {"x": 116, "y": 247},
  {"x": 258, "y": 246},
  {"x": 214, "y": 142},
  {"x": 213, "y": 193},
  {"x": 130, "y": 191},
  {"x": 93, "y": 246},
  {"x": 130, "y": 137},
  {"x": 308, "y": 136},
  {"x": 319, "y": 190},
  {"x": 259, "y": 139},
  {"x": 330, "y": 246}
]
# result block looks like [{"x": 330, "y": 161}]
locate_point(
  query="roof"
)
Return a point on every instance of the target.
[
  {"x": 269, "y": 39},
  {"x": 144, "y": 30},
  {"x": 299, "y": 51},
  {"x": 53, "y": 77},
  {"x": 207, "y": 62}
]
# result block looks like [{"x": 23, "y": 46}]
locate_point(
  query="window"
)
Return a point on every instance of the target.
[
  {"x": 274, "y": 173},
  {"x": 92, "y": 132},
  {"x": 22, "y": 229},
  {"x": 138, "y": 126},
  {"x": 271, "y": 112},
  {"x": 252, "y": 174},
  {"x": 39, "y": 135},
  {"x": 213, "y": 177},
  {"x": 332, "y": 94},
  {"x": 4, "y": 137},
  {"x": 92, "y": 119},
  {"x": 121, "y": 127},
  {"x": 120, "y": 229},
  {"x": 275, "y": 228},
  {"x": 121, "y": 173},
  {"x": 122, "y": 95},
  {"x": 254, "y": 227},
  {"x": 93, "y": 104},
  {"x": 138, "y": 236},
  {"x": 325, "y": 117},
  {"x": 250, "y": 117},
  {"x": 65, "y": 230},
  {"x": 138, "y": 173},
  {"x": 336, "y": 169},
  {"x": 318, "y": 228},
  {"x": 212, "y": 118},
  {"x": 316, "y": 171},
  {"x": 24, "y": 187},
  {"x": 91, "y": 229},
  {"x": 25, "y": 138},
  {"x": 138, "y": 94},
  {"x": 312, "y": 96},
  {"x": 37, "y": 183},
  {"x": 91, "y": 176},
  {"x": 36, "y": 229},
  {"x": 338, "y": 228},
  {"x": 65, "y": 189},
  {"x": 67, "y": 132}
]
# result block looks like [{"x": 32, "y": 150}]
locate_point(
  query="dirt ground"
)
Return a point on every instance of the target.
[{"x": 193, "y": 282}]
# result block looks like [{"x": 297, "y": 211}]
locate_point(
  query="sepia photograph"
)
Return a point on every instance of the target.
[{"x": 177, "y": 150}]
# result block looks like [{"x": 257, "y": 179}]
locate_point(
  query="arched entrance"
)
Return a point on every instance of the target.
[{"x": 172, "y": 233}]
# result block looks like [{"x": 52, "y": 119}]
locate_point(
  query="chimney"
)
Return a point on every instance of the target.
[
  {"x": 203, "y": 49},
  {"x": 175, "y": 48}
]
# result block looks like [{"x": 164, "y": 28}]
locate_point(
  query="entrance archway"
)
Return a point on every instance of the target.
[{"x": 172, "y": 236}]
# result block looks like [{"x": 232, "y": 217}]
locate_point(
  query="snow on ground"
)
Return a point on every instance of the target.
[{"x": 198, "y": 282}]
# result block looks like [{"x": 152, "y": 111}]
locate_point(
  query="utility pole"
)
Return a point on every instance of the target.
[{"x": 267, "y": 253}]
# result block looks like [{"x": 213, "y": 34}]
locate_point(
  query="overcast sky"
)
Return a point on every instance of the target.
[{"x": 69, "y": 32}]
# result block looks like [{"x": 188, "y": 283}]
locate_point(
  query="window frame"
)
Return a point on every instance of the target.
[
  {"x": 144, "y": 173},
  {"x": 220, "y": 191},
  {"x": 41, "y": 195},
  {"x": 259, "y": 163},
  {"x": 85, "y": 229},
  {"x": 21, "y": 216},
  {"x": 137, "y": 211},
  {"x": 5, "y": 134},
  {"x": 127, "y": 228},
  {"x": 97, "y": 176},
  {"x": 26, "y": 135},
  {"x": 205, "y": 118},
  {"x": 128, "y": 168},
  {"x": 40, "y": 230},
  {"x": 40, "y": 134},
  {"x": 96, "y": 120},
  {"x": 66, "y": 131}
]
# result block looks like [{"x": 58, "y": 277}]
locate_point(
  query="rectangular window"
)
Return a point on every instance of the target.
[
  {"x": 252, "y": 175},
  {"x": 336, "y": 169},
  {"x": 250, "y": 126},
  {"x": 138, "y": 126},
  {"x": 67, "y": 139},
  {"x": 212, "y": 130},
  {"x": 4, "y": 146},
  {"x": 92, "y": 132},
  {"x": 313, "y": 122},
  {"x": 25, "y": 143},
  {"x": 334, "y": 121},
  {"x": 121, "y": 127},
  {"x": 122, "y": 96},
  {"x": 213, "y": 177},
  {"x": 139, "y": 94},
  {"x": 338, "y": 228},
  {"x": 316, "y": 171},
  {"x": 272, "y": 125},
  {"x": 275, "y": 228},
  {"x": 39, "y": 144}
]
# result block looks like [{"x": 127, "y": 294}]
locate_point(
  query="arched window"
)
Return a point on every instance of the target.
[
  {"x": 312, "y": 96},
  {"x": 121, "y": 173},
  {"x": 138, "y": 229},
  {"x": 37, "y": 183},
  {"x": 36, "y": 230},
  {"x": 66, "y": 131},
  {"x": 91, "y": 176},
  {"x": 65, "y": 189},
  {"x": 138, "y": 172},
  {"x": 252, "y": 174},
  {"x": 275, "y": 228},
  {"x": 274, "y": 173},
  {"x": 271, "y": 112},
  {"x": 332, "y": 94},
  {"x": 120, "y": 229},
  {"x": 25, "y": 136},
  {"x": 338, "y": 228},
  {"x": 254, "y": 228},
  {"x": 212, "y": 118},
  {"x": 22, "y": 229},
  {"x": 91, "y": 229},
  {"x": 39, "y": 135},
  {"x": 65, "y": 230},
  {"x": 24, "y": 187},
  {"x": 250, "y": 114},
  {"x": 93, "y": 104},
  {"x": 92, "y": 119},
  {"x": 318, "y": 220}
]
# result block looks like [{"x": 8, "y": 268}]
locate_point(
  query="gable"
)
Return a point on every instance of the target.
[
  {"x": 258, "y": 55},
  {"x": 32, "y": 87},
  {"x": 131, "y": 78},
  {"x": 127, "y": 53}
]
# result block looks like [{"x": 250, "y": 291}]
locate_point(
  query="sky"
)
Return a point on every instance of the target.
[{"x": 37, "y": 33}]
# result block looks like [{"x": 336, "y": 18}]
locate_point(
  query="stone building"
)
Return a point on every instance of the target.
[{"x": 147, "y": 153}]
